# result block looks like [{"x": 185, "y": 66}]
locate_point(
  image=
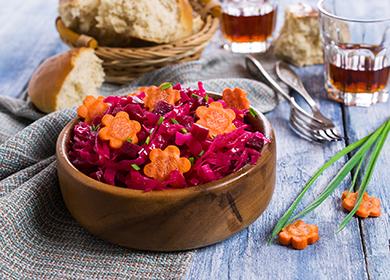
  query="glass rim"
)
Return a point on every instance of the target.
[{"x": 322, "y": 10}]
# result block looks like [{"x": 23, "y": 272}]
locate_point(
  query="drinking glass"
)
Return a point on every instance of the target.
[
  {"x": 248, "y": 25},
  {"x": 356, "y": 39}
]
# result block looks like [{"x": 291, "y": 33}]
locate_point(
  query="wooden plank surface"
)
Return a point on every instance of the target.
[
  {"x": 246, "y": 255},
  {"x": 375, "y": 232}
]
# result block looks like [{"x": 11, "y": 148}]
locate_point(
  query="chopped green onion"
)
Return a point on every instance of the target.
[
  {"x": 95, "y": 127},
  {"x": 147, "y": 141},
  {"x": 252, "y": 112},
  {"x": 135, "y": 167},
  {"x": 201, "y": 153},
  {"x": 151, "y": 130},
  {"x": 160, "y": 120},
  {"x": 165, "y": 86},
  {"x": 129, "y": 140},
  {"x": 206, "y": 98},
  {"x": 174, "y": 121},
  {"x": 184, "y": 130},
  {"x": 195, "y": 95},
  {"x": 192, "y": 160}
]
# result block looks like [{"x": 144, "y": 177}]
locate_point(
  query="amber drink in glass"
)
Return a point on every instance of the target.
[
  {"x": 356, "y": 38},
  {"x": 248, "y": 25}
]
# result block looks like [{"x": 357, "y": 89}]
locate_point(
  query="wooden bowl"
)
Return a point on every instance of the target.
[{"x": 169, "y": 220}]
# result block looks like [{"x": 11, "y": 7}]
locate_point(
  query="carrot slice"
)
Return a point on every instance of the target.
[
  {"x": 119, "y": 129},
  {"x": 369, "y": 207},
  {"x": 216, "y": 119},
  {"x": 163, "y": 162},
  {"x": 235, "y": 98},
  {"x": 91, "y": 108},
  {"x": 155, "y": 94},
  {"x": 299, "y": 235}
]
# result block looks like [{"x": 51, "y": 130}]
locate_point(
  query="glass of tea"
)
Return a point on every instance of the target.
[
  {"x": 248, "y": 25},
  {"x": 356, "y": 38}
]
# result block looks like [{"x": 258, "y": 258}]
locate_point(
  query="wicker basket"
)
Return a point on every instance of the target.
[{"x": 122, "y": 65}]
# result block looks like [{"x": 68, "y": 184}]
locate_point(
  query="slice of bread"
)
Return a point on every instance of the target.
[
  {"x": 79, "y": 14},
  {"x": 299, "y": 41},
  {"x": 63, "y": 81},
  {"x": 118, "y": 22}
]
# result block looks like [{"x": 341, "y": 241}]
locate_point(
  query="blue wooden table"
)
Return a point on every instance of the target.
[{"x": 361, "y": 251}]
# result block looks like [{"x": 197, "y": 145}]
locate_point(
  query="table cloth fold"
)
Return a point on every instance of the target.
[{"x": 38, "y": 237}]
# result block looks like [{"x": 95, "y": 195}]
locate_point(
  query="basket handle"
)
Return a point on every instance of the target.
[
  {"x": 74, "y": 39},
  {"x": 211, "y": 6}
]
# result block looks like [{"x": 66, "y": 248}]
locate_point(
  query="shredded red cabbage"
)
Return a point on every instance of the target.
[{"x": 212, "y": 158}]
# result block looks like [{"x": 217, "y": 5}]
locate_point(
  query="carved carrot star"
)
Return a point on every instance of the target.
[
  {"x": 299, "y": 235},
  {"x": 216, "y": 119},
  {"x": 91, "y": 108},
  {"x": 163, "y": 162},
  {"x": 235, "y": 98},
  {"x": 155, "y": 94},
  {"x": 369, "y": 207},
  {"x": 119, "y": 129}
]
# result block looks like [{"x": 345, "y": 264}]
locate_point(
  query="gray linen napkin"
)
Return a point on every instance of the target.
[{"x": 38, "y": 237}]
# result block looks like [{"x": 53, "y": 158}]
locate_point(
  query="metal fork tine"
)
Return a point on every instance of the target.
[
  {"x": 330, "y": 133},
  {"x": 303, "y": 133},
  {"x": 323, "y": 133},
  {"x": 304, "y": 121},
  {"x": 316, "y": 130},
  {"x": 304, "y": 126},
  {"x": 335, "y": 133}
]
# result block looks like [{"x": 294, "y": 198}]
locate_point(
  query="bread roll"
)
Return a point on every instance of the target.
[
  {"x": 299, "y": 41},
  {"x": 118, "y": 22},
  {"x": 63, "y": 81}
]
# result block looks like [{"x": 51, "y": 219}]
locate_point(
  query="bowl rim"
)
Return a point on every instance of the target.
[{"x": 217, "y": 185}]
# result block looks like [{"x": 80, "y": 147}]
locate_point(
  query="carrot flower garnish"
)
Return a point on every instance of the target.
[
  {"x": 299, "y": 235},
  {"x": 369, "y": 207},
  {"x": 155, "y": 94},
  {"x": 91, "y": 108},
  {"x": 235, "y": 98},
  {"x": 163, "y": 162},
  {"x": 216, "y": 119},
  {"x": 119, "y": 129}
]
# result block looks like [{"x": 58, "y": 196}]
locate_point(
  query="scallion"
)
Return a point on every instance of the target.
[
  {"x": 135, "y": 167},
  {"x": 165, "y": 86},
  {"x": 174, "y": 121},
  {"x": 363, "y": 145},
  {"x": 252, "y": 112}
]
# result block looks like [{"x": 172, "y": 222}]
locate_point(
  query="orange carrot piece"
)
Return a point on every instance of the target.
[
  {"x": 91, "y": 108},
  {"x": 216, "y": 119},
  {"x": 119, "y": 129},
  {"x": 370, "y": 206},
  {"x": 155, "y": 94},
  {"x": 163, "y": 162},
  {"x": 299, "y": 235},
  {"x": 235, "y": 98}
]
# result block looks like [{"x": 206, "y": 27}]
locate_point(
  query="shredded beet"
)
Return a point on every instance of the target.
[{"x": 211, "y": 158}]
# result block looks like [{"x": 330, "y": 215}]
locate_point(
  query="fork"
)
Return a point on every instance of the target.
[
  {"x": 289, "y": 77},
  {"x": 304, "y": 124}
]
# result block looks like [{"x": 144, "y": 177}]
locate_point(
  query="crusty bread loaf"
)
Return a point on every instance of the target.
[
  {"x": 299, "y": 41},
  {"x": 79, "y": 14},
  {"x": 63, "y": 81},
  {"x": 117, "y": 22}
]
